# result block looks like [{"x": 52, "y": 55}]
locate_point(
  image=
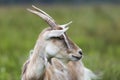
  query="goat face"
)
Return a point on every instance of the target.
[{"x": 58, "y": 44}]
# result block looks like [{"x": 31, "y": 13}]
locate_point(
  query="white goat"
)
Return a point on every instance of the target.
[{"x": 55, "y": 56}]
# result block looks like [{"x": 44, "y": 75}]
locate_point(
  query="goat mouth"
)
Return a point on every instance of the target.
[{"x": 76, "y": 57}]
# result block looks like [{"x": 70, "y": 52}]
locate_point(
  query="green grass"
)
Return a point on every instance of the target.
[{"x": 96, "y": 29}]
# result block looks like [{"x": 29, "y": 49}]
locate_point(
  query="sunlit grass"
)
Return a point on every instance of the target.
[{"x": 95, "y": 29}]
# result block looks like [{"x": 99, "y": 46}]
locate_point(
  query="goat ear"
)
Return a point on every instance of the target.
[
  {"x": 65, "y": 25},
  {"x": 56, "y": 33}
]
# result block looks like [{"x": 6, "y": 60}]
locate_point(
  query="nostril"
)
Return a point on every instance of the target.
[{"x": 80, "y": 52}]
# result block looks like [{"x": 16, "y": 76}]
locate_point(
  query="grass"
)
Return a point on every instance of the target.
[{"x": 95, "y": 29}]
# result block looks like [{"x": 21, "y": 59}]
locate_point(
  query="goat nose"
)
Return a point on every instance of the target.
[{"x": 80, "y": 52}]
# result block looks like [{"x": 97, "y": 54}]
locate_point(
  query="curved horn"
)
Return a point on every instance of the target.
[
  {"x": 44, "y": 16},
  {"x": 43, "y": 12}
]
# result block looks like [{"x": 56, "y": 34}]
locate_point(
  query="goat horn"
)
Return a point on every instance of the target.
[
  {"x": 44, "y": 16},
  {"x": 43, "y": 12}
]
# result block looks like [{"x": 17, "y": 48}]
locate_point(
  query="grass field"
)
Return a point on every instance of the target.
[{"x": 96, "y": 29}]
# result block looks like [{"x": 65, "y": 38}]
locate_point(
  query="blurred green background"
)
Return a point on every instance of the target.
[{"x": 95, "y": 28}]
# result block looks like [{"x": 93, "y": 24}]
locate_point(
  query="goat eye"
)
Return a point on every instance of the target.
[
  {"x": 58, "y": 38},
  {"x": 61, "y": 37}
]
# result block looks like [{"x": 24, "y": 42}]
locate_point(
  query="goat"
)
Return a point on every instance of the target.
[{"x": 55, "y": 56}]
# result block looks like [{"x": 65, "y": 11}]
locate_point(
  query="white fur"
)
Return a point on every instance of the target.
[
  {"x": 51, "y": 49},
  {"x": 88, "y": 74}
]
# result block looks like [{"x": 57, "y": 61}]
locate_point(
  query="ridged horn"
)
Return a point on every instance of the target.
[{"x": 44, "y": 16}]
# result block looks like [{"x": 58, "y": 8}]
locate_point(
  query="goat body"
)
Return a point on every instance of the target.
[{"x": 55, "y": 56}]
